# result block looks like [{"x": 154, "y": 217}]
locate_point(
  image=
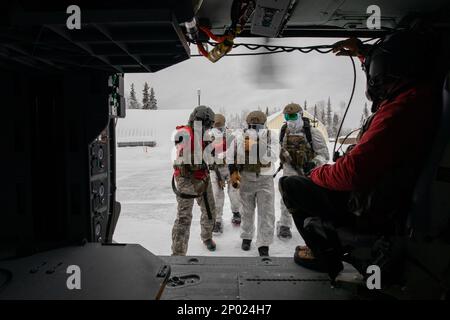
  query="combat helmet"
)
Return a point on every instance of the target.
[
  {"x": 256, "y": 117},
  {"x": 292, "y": 108},
  {"x": 219, "y": 120},
  {"x": 203, "y": 114}
]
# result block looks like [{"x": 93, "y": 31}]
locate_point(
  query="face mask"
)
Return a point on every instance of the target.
[
  {"x": 217, "y": 131},
  {"x": 294, "y": 125}
]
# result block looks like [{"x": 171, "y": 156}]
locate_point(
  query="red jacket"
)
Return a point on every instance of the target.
[
  {"x": 198, "y": 174},
  {"x": 399, "y": 133}
]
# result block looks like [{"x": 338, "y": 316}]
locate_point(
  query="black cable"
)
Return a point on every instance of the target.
[
  {"x": 277, "y": 49},
  {"x": 371, "y": 39},
  {"x": 243, "y": 54},
  {"x": 318, "y": 48},
  {"x": 336, "y": 156},
  {"x": 346, "y": 137}
]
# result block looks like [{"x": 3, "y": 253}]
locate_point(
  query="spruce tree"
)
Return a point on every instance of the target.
[
  {"x": 315, "y": 115},
  {"x": 145, "y": 97},
  {"x": 321, "y": 114},
  {"x": 153, "y": 101},
  {"x": 336, "y": 123},
  {"x": 133, "y": 103},
  {"x": 329, "y": 115},
  {"x": 323, "y": 117}
]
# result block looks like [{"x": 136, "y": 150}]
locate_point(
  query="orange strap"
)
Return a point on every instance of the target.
[{"x": 218, "y": 39}]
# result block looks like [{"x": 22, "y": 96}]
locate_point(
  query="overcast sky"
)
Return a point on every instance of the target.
[{"x": 246, "y": 83}]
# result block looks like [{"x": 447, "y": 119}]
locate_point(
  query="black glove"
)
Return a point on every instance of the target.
[{"x": 308, "y": 167}]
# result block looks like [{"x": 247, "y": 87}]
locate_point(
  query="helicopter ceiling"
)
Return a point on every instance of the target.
[
  {"x": 136, "y": 36},
  {"x": 329, "y": 18}
]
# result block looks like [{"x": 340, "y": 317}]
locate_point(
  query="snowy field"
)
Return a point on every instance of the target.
[
  {"x": 149, "y": 208},
  {"x": 149, "y": 205}
]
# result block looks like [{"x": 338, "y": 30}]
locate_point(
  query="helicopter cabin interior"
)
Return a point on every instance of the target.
[{"x": 62, "y": 92}]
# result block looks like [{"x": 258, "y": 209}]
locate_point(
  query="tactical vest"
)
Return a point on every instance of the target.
[
  {"x": 187, "y": 169},
  {"x": 298, "y": 148},
  {"x": 301, "y": 150},
  {"x": 255, "y": 167}
]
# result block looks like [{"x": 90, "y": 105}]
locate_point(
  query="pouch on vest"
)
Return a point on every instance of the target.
[
  {"x": 255, "y": 167},
  {"x": 298, "y": 149}
]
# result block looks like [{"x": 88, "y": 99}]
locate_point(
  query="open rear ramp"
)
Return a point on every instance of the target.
[{"x": 251, "y": 278}]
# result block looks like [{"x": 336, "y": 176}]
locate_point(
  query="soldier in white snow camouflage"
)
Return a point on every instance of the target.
[
  {"x": 302, "y": 148},
  {"x": 220, "y": 175},
  {"x": 256, "y": 184}
]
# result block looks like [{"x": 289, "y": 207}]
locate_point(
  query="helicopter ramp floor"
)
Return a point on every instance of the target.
[{"x": 252, "y": 278}]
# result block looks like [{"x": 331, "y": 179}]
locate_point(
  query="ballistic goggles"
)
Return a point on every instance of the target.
[
  {"x": 290, "y": 117},
  {"x": 256, "y": 127}
]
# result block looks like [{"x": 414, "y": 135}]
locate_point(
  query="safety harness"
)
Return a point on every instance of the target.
[
  {"x": 202, "y": 194},
  {"x": 187, "y": 171}
]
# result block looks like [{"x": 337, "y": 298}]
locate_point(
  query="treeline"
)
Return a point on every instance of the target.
[
  {"x": 148, "y": 102},
  {"x": 328, "y": 115},
  {"x": 324, "y": 111},
  {"x": 237, "y": 120},
  {"x": 331, "y": 116}
]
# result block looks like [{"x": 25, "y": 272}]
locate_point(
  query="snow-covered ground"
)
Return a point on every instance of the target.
[
  {"x": 149, "y": 208},
  {"x": 149, "y": 205}
]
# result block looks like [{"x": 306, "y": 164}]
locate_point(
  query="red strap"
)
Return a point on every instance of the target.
[
  {"x": 212, "y": 35},
  {"x": 202, "y": 50}
]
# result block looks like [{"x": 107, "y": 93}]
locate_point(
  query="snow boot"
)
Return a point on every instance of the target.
[
  {"x": 210, "y": 244},
  {"x": 263, "y": 251},
  {"x": 218, "y": 227},
  {"x": 236, "y": 220},
  {"x": 246, "y": 244},
  {"x": 284, "y": 233}
]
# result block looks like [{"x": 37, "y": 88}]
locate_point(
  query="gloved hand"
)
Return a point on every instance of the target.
[
  {"x": 349, "y": 148},
  {"x": 235, "y": 179},
  {"x": 308, "y": 166},
  {"x": 351, "y": 46},
  {"x": 284, "y": 156}
]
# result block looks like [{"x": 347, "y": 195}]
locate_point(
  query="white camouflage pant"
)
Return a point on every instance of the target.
[
  {"x": 286, "y": 217},
  {"x": 257, "y": 191},
  {"x": 182, "y": 225},
  {"x": 219, "y": 194}
]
